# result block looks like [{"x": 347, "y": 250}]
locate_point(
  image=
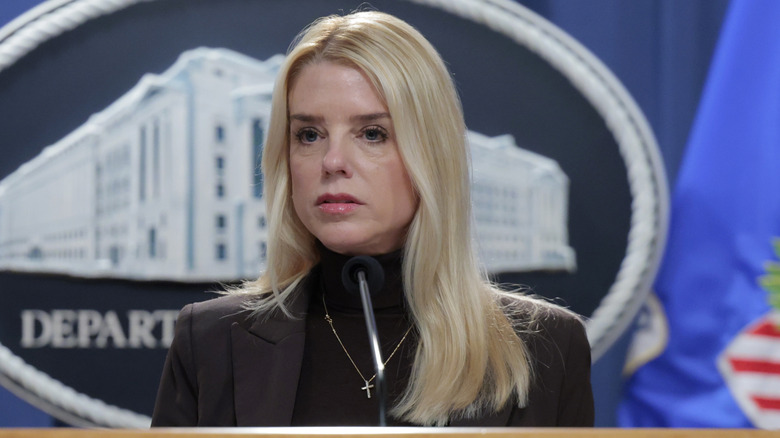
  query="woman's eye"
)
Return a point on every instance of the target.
[
  {"x": 375, "y": 134},
  {"x": 308, "y": 136}
]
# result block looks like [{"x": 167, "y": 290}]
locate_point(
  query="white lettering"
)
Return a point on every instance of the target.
[
  {"x": 111, "y": 329},
  {"x": 29, "y": 338},
  {"x": 63, "y": 334},
  {"x": 168, "y": 320},
  {"x": 141, "y": 325},
  {"x": 87, "y": 328}
]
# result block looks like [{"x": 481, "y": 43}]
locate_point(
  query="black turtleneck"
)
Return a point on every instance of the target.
[{"x": 329, "y": 391}]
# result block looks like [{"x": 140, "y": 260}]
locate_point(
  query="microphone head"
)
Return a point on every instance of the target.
[{"x": 375, "y": 274}]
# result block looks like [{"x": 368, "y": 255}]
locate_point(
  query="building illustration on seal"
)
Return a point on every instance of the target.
[{"x": 165, "y": 184}]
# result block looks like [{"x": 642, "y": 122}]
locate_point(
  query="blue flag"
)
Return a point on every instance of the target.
[{"x": 721, "y": 365}]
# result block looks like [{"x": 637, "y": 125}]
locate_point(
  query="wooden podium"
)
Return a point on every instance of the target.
[{"x": 376, "y": 432}]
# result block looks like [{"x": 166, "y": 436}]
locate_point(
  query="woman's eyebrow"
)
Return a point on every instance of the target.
[
  {"x": 306, "y": 118},
  {"x": 369, "y": 117}
]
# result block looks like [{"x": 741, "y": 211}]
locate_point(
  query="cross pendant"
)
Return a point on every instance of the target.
[{"x": 367, "y": 388}]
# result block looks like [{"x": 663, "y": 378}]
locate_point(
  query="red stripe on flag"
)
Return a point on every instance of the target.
[
  {"x": 766, "y": 328},
  {"x": 755, "y": 366},
  {"x": 767, "y": 403}
]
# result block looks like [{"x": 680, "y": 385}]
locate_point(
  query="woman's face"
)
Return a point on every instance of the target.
[{"x": 349, "y": 186}]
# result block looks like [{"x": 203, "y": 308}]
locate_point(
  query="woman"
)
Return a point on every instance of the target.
[{"x": 366, "y": 155}]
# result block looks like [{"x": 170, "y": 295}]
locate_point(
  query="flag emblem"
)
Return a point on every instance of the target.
[{"x": 750, "y": 365}]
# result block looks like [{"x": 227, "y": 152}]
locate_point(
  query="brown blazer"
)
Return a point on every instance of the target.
[{"x": 227, "y": 369}]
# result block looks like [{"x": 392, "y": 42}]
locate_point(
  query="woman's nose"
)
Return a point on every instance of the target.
[{"x": 336, "y": 159}]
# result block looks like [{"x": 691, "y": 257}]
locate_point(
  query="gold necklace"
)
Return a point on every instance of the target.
[{"x": 367, "y": 382}]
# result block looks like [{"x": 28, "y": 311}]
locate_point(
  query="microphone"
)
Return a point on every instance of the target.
[
  {"x": 363, "y": 274},
  {"x": 375, "y": 275}
]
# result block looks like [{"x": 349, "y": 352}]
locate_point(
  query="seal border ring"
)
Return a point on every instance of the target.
[{"x": 625, "y": 121}]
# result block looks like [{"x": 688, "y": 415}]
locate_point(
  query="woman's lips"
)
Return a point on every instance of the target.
[
  {"x": 340, "y": 203},
  {"x": 338, "y": 208}
]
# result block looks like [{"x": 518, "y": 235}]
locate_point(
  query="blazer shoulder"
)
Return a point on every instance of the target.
[
  {"x": 216, "y": 313},
  {"x": 558, "y": 321},
  {"x": 559, "y": 354},
  {"x": 546, "y": 327},
  {"x": 535, "y": 314}
]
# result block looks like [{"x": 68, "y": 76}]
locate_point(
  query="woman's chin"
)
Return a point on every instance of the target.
[
  {"x": 354, "y": 248},
  {"x": 345, "y": 248}
]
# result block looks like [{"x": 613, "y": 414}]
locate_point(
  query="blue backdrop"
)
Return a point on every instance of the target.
[{"x": 659, "y": 49}]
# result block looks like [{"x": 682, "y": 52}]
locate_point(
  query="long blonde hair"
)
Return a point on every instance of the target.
[{"x": 465, "y": 336}]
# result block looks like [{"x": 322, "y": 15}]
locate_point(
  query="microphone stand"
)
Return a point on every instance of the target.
[
  {"x": 357, "y": 274},
  {"x": 368, "y": 311}
]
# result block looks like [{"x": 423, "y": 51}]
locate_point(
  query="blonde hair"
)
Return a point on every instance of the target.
[{"x": 465, "y": 337}]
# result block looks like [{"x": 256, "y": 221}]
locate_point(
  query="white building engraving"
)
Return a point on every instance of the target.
[
  {"x": 164, "y": 184},
  {"x": 519, "y": 199}
]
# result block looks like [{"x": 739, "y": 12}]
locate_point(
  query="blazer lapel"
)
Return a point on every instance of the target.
[{"x": 267, "y": 358}]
